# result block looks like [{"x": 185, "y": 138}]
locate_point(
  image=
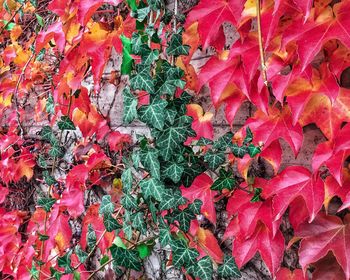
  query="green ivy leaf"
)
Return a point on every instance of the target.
[
  {"x": 55, "y": 273},
  {"x": 152, "y": 188},
  {"x": 144, "y": 251},
  {"x": 47, "y": 134},
  {"x": 164, "y": 236},
  {"x": 249, "y": 136},
  {"x": 127, "y": 180},
  {"x": 148, "y": 55},
  {"x": 56, "y": 151},
  {"x": 203, "y": 269},
  {"x": 137, "y": 40},
  {"x": 138, "y": 222},
  {"x": 168, "y": 81},
  {"x": 229, "y": 268},
  {"x": 127, "y": 60},
  {"x": 129, "y": 106},
  {"x": 82, "y": 255},
  {"x": 195, "y": 207},
  {"x": 126, "y": 258},
  {"x": 49, "y": 180},
  {"x": 106, "y": 206},
  {"x": 225, "y": 181},
  {"x": 182, "y": 254},
  {"x": 91, "y": 238},
  {"x": 50, "y": 105},
  {"x": 184, "y": 218},
  {"x": 214, "y": 159},
  {"x": 223, "y": 142},
  {"x": 142, "y": 13},
  {"x": 104, "y": 259},
  {"x": 143, "y": 79},
  {"x": 149, "y": 160},
  {"x": 153, "y": 114},
  {"x": 46, "y": 203},
  {"x": 253, "y": 150},
  {"x": 175, "y": 46},
  {"x": 257, "y": 193},
  {"x": 110, "y": 223},
  {"x": 173, "y": 171},
  {"x": 65, "y": 123},
  {"x": 170, "y": 139},
  {"x": 238, "y": 151},
  {"x": 172, "y": 199},
  {"x": 43, "y": 237},
  {"x": 204, "y": 142},
  {"x": 65, "y": 262},
  {"x": 129, "y": 202},
  {"x": 34, "y": 272}
]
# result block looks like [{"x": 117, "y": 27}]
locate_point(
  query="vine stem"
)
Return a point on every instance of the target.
[
  {"x": 18, "y": 116},
  {"x": 261, "y": 47}
]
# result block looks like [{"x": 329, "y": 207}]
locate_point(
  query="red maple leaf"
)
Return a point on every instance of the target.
[
  {"x": 325, "y": 233},
  {"x": 200, "y": 189},
  {"x": 211, "y": 14}
]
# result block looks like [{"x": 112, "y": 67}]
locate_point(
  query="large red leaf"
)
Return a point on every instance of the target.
[
  {"x": 278, "y": 124},
  {"x": 286, "y": 274},
  {"x": 211, "y": 14},
  {"x": 292, "y": 182},
  {"x": 201, "y": 123},
  {"x": 332, "y": 23},
  {"x": 325, "y": 233},
  {"x": 270, "y": 248},
  {"x": 200, "y": 189}
]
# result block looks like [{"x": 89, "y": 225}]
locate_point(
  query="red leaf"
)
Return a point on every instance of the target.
[
  {"x": 286, "y": 274},
  {"x": 200, "y": 189},
  {"x": 201, "y": 123},
  {"x": 292, "y": 182},
  {"x": 278, "y": 124},
  {"x": 330, "y": 24},
  {"x": 211, "y": 14},
  {"x": 205, "y": 242},
  {"x": 53, "y": 32},
  {"x": 270, "y": 248},
  {"x": 88, "y": 7},
  {"x": 325, "y": 233},
  {"x": 328, "y": 269}
]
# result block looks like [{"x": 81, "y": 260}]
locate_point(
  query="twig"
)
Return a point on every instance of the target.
[
  {"x": 261, "y": 47},
  {"x": 12, "y": 17},
  {"x": 15, "y": 94}
]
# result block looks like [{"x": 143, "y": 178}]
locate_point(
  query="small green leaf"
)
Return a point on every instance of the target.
[
  {"x": 143, "y": 79},
  {"x": 55, "y": 273},
  {"x": 214, "y": 159},
  {"x": 8, "y": 25},
  {"x": 40, "y": 20},
  {"x": 65, "y": 123},
  {"x": 129, "y": 202},
  {"x": 82, "y": 255},
  {"x": 152, "y": 188},
  {"x": 238, "y": 151},
  {"x": 43, "y": 237},
  {"x": 229, "y": 268},
  {"x": 110, "y": 223},
  {"x": 184, "y": 218},
  {"x": 138, "y": 222},
  {"x": 253, "y": 150},
  {"x": 175, "y": 46},
  {"x": 203, "y": 269},
  {"x": 225, "y": 181},
  {"x": 104, "y": 259},
  {"x": 182, "y": 254},
  {"x": 149, "y": 160},
  {"x": 91, "y": 237},
  {"x": 204, "y": 141},
  {"x": 153, "y": 114},
  {"x": 172, "y": 199},
  {"x": 127, "y": 60},
  {"x": 223, "y": 142},
  {"x": 142, "y": 13},
  {"x": 164, "y": 236},
  {"x": 106, "y": 207},
  {"x": 173, "y": 171},
  {"x": 50, "y": 106},
  {"x": 127, "y": 180},
  {"x": 126, "y": 258},
  {"x": 249, "y": 136},
  {"x": 195, "y": 207},
  {"x": 49, "y": 180},
  {"x": 144, "y": 251},
  {"x": 56, "y": 151},
  {"x": 46, "y": 203},
  {"x": 47, "y": 134},
  {"x": 65, "y": 262},
  {"x": 129, "y": 106},
  {"x": 257, "y": 193}
]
